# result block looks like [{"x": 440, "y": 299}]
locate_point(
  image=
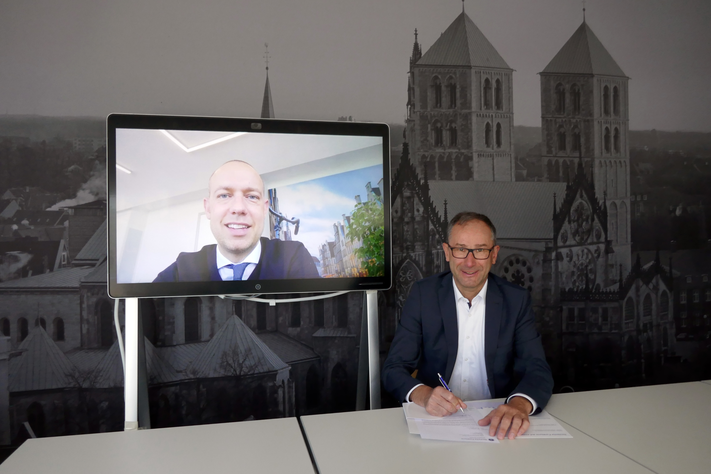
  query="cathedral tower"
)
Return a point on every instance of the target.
[
  {"x": 460, "y": 107},
  {"x": 585, "y": 116}
]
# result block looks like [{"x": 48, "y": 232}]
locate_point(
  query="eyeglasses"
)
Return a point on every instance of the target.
[{"x": 462, "y": 253}]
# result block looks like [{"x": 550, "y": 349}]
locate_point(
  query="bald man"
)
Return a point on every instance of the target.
[{"x": 236, "y": 206}]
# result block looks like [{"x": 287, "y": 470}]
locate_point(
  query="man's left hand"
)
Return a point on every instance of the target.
[{"x": 511, "y": 417}]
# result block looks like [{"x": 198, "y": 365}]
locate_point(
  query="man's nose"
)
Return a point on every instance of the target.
[{"x": 237, "y": 206}]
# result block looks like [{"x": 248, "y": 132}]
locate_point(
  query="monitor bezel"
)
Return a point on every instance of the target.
[{"x": 115, "y": 289}]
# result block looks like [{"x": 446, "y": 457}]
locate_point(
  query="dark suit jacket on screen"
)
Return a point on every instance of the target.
[
  {"x": 280, "y": 259},
  {"x": 427, "y": 338}
]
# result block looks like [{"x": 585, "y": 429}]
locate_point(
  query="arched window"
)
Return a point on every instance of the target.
[
  {"x": 556, "y": 172},
  {"x": 606, "y": 100},
  {"x": 58, "y": 329},
  {"x": 616, "y": 140},
  {"x": 575, "y": 97},
  {"x": 295, "y": 320},
  {"x": 499, "y": 138},
  {"x": 623, "y": 222},
  {"x": 437, "y": 92},
  {"x": 612, "y": 222},
  {"x": 498, "y": 95},
  {"x": 318, "y": 313},
  {"x": 550, "y": 171},
  {"x": 191, "y": 319},
  {"x": 41, "y": 322},
  {"x": 237, "y": 308},
  {"x": 430, "y": 165},
  {"x": 444, "y": 168},
  {"x": 487, "y": 93},
  {"x": 606, "y": 140},
  {"x": 261, "y": 317},
  {"x": 452, "y": 134},
  {"x": 616, "y": 101},
  {"x": 561, "y": 140},
  {"x": 342, "y": 312},
  {"x": 664, "y": 306},
  {"x": 629, "y": 314},
  {"x": 37, "y": 420},
  {"x": 437, "y": 134},
  {"x": 576, "y": 145},
  {"x": 565, "y": 171},
  {"x": 462, "y": 170},
  {"x": 452, "y": 92},
  {"x": 106, "y": 324},
  {"x": 5, "y": 327},
  {"x": 340, "y": 395},
  {"x": 313, "y": 387},
  {"x": 22, "y": 329},
  {"x": 665, "y": 339},
  {"x": 149, "y": 316},
  {"x": 487, "y": 135},
  {"x": 647, "y": 307},
  {"x": 559, "y": 98}
]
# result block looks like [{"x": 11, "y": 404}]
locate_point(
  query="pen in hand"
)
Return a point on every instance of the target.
[{"x": 444, "y": 384}]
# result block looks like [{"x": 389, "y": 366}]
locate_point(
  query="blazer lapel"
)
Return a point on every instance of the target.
[
  {"x": 492, "y": 323},
  {"x": 448, "y": 311}
]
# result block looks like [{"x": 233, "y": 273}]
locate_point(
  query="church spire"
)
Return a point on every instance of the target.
[
  {"x": 267, "y": 104},
  {"x": 416, "y": 51}
]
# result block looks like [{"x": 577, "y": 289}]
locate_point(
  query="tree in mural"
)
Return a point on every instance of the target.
[{"x": 367, "y": 225}]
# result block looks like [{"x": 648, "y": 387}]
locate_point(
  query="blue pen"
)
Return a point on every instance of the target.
[{"x": 444, "y": 384}]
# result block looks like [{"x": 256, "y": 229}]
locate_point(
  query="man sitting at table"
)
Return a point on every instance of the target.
[{"x": 475, "y": 329}]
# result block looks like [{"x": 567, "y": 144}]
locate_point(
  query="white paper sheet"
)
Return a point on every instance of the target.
[{"x": 464, "y": 426}]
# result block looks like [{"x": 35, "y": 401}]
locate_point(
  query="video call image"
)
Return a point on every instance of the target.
[{"x": 323, "y": 191}]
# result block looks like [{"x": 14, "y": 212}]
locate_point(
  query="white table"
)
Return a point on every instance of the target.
[
  {"x": 267, "y": 446},
  {"x": 378, "y": 442},
  {"x": 666, "y": 428}
]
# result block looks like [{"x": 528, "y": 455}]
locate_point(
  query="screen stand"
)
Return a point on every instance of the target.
[
  {"x": 369, "y": 375},
  {"x": 137, "y": 414},
  {"x": 130, "y": 385}
]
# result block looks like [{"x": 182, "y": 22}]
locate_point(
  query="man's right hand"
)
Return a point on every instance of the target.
[{"x": 437, "y": 401}]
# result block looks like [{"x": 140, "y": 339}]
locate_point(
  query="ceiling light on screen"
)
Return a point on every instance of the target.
[
  {"x": 202, "y": 145},
  {"x": 121, "y": 168}
]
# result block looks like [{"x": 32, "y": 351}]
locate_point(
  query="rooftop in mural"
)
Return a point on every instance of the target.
[
  {"x": 41, "y": 366},
  {"x": 463, "y": 44},
  {"x": 235, "y": 350},
  {"x": 583, "y": 53}
]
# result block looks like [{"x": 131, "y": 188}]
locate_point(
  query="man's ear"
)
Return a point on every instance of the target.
[
  {"x": 206, "y": 205},
  {"x": 444, "y": 247}
]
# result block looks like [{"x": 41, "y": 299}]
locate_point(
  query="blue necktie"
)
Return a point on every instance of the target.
[{"x": 238, "y": 270}]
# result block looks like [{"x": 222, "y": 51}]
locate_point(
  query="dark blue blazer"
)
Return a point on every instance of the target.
[
  {"x": 280, "y": 259},
  {"x": 427, "y": 338}
]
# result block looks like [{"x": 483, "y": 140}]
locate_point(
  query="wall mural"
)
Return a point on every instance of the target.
[{"x": 606, "y": 226}]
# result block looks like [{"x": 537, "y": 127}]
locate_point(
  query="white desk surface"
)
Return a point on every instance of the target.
[
  {"x": 378, "y": 442},
  {"x": 707, "y": 381},
  {"x": 267, "y": 446},
  {"x": 666, "y": 428}
]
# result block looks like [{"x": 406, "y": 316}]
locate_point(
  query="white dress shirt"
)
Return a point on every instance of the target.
[
  {"x": 468, "y": 380},
  {"x": 224, "y": 266}
]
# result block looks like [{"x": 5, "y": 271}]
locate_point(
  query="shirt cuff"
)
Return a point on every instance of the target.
[
  {"x": 533, "y": 403},
  {"x": 407, "y": 397}
]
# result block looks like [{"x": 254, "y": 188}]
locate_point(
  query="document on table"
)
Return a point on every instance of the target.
[{"x": 464, "y": 426}]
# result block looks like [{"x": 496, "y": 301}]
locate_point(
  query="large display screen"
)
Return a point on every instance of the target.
[{"x": 223, "y": 206}]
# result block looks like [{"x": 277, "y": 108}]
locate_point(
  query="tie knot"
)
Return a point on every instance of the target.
[{"x": 238, "y": 270}]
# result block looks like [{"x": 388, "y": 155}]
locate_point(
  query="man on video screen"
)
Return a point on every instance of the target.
[{"x": 236, "y": 206}]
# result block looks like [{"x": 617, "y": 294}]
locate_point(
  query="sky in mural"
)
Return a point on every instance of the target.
[{"x": 329, "y": 58}]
